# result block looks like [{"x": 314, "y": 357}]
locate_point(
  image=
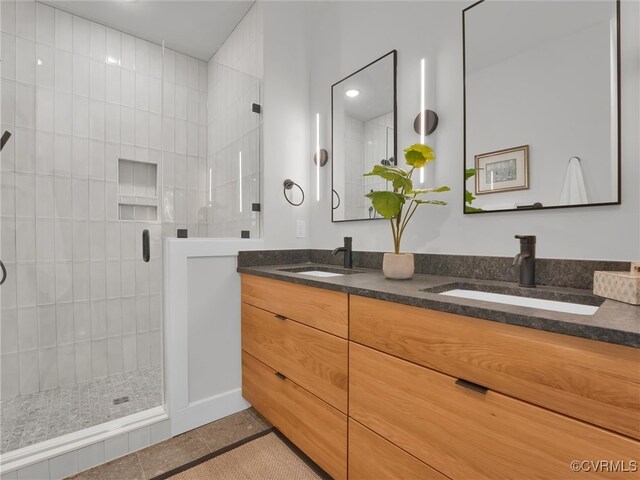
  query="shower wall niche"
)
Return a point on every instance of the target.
[{"x": 137, "y": 190}]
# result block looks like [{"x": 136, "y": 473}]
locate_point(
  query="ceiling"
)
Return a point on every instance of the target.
[
  {"x": 495, "y": 30},
  {"x": 375, "y": 84},
  {"x": 196, "y": 28}
]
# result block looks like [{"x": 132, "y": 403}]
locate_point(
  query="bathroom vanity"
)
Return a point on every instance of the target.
[{"x": 379, "y": 379}]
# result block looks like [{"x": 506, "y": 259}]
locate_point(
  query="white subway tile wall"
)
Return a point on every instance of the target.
[
  {"x": 370, "y": 142},
  {"x": 233, "y": 167},
  {"x": 182, "y": 134},
  {"x": 79, "y": 303}
]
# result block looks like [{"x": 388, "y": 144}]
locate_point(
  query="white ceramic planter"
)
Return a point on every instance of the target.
[{"x": 398, "y": 266}]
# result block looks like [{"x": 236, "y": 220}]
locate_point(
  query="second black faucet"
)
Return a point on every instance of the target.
[
  {"x": 348, "y": 252},
  {"x": 526, "y": 260}
]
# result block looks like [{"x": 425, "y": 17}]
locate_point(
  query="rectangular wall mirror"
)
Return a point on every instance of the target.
[
  {"x": 542, "y": 105},
  {"x": 363, "y": 134}
]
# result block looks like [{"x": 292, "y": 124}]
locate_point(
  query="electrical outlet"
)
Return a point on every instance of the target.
[{"x": 301, "y": 229}]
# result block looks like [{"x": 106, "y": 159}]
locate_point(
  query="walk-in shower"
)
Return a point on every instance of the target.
[{"x": 111, "y": 136}]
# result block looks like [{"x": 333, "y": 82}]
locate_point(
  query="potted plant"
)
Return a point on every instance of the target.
[{"x": 399, "y": 205}]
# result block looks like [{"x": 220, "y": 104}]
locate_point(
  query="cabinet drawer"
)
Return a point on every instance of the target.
[
  {"x": 322, "y": 309},
  {"x": 467, "y": 434},
  {"x": 315, "y": 427},
  {"x": 594, "y": 381},
  {"x": 373, "y": 457},
  {"x": 313, "y": 359}
]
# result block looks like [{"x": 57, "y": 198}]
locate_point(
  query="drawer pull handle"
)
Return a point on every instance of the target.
[
  {"x": 281, "y": 317},
  {"x": 280, "y": 376},
  {"x": 471, "y": 386}
]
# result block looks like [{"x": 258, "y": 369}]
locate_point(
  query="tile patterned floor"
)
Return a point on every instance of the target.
[
  {"x": 177, "y": 451},
  {"x": 33, "y": 418}
]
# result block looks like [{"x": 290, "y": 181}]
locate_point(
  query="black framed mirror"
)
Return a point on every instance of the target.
[
  {"x": 363, "y": 133},
  {"x": 541, "y": 105}
]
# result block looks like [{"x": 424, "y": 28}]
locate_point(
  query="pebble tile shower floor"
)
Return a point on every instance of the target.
[{"x": 36, "y": 417}]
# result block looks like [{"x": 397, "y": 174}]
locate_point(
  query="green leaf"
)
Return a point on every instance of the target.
[
  {"x": 468, "y": 173},
  {"x": 429, "y": 202},
  {"x": 402, "y": 183},
  {"x": 468, "y": 197},
  {"x": 386, "y": 204},
  {"x": 387, "y": 172},
  {"x": 422, "y": 191},
  {"x": 398, "y": 176},
  {"x": 419, "y": 155},
  {"x": 470, "y": 209}
]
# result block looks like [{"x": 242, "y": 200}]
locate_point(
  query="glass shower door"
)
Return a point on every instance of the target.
[
  {"x": 234, "y": 164},
  {"x": 80, "y": 317}
]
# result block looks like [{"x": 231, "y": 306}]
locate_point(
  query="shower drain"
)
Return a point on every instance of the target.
[{"x": 118, "y": 401}]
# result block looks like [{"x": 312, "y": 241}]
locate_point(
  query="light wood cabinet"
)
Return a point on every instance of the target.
[
  {"x": 315, "y": 360},
  {"x": 468, "y": 434},
  {"x": 594, "y": 381},
  {"x": 373, "y": 457},
  {"x": 315, "y": 307},
  {"x": 318, "y": 429},
  {"x": 431, "y": 395},
  {"x": 294, "y": 365}
]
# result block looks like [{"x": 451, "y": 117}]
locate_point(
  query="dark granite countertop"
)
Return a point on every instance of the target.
[{"x": 614, "y": 322}]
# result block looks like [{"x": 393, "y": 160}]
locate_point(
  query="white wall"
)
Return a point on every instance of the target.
[
  {"x": 348, "y": 35},
  {"x": 286, "y": 136}
]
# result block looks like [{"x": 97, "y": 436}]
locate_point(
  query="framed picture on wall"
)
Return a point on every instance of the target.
[{"x": 503, "y": 170}]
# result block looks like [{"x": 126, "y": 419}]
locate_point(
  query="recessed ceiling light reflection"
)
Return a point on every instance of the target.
[{"x": 352, "y": 93}]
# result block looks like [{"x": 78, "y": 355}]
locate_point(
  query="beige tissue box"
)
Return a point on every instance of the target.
[{"x": 621, "y": 286}]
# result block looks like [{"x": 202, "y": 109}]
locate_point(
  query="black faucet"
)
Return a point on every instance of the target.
[
  {"x": 348, "y": 252},
  {"x": 526, "y": 260}
]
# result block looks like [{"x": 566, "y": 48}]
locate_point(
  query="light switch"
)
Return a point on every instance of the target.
[{"x": 301, "y": 229}]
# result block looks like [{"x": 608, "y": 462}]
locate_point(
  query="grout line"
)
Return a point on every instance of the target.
[
  {"x": 144, "y": 475},
  {"x": 201, "y": 437}
]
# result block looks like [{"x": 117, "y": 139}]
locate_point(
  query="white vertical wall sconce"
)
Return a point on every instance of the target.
[
  {"x": 320, "y": 157},
  {"x": 427, "y": 120},
  {"x": 240, "y": 179}
]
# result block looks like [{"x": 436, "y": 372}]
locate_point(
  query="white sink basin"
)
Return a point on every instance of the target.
[
  {"x": 318, "y": 273},
  {"x": 539, "y": 303}
]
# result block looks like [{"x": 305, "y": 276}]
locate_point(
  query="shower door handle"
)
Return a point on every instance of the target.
[
  {"x": 4, "y": 273},
  {"x": 146, "y": 252}
]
